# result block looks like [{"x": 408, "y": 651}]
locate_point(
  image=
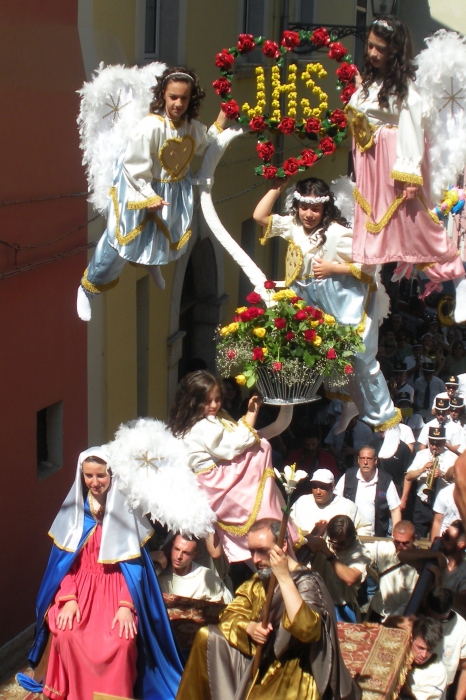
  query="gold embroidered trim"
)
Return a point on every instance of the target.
[
  {"x": 125, "y": 240},
  {"x": 226, "y": 420},
  {"x": 424, "y": 266},
  {"x": 266, "y": 235},
  {"x": 218, "y": 127},
  {"x": 360, "y": 275},
  {"x": 391, "y": 423},
  {"x": 182, "y": 242},
  {"x": 52, "y": 690},
  {"x": 175, "y": 172},
  {"x": 251, "y": 429},
  {"x": 293, "y": 263},
  {"x": 361, "y": 128},
  {"x": 97, "y": 289},
  {"x": 170, "y": 179},
  {"x": 432, "y": 214},
  {"x": 407, "y": 177},
  {"x": 366, "y": 207},
  {"x": 117, "y": 561},
  {"x": 163, "y": 227},
  {"x": 337, "y": 396},
  {"x": 155, "y": 199},
  {"x": 206, "y": 469},
  {"x": 241, "y": 530}
]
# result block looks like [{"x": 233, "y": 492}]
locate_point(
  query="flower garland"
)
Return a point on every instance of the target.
[{"x": 318, "y": 122}]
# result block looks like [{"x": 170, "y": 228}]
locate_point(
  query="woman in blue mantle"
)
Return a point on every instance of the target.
[{"x": 100, "y": 599}]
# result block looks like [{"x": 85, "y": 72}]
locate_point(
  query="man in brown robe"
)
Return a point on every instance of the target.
[{"x": 301, "y": 658}]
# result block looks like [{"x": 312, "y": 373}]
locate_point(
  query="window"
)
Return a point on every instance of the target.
[
  {"x": 151, "y": 27},
  {"x": 304, "y": 11},
  {"x": 163, "y": 22},
  {"x": 49, "y": 439},
  {"x": 360, "y": 43},
  {"x": 253, "y": 21}
]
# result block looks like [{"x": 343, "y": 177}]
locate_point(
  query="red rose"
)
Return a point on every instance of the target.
[
  {"x": 289, "y": 336},
  {"x": 265, "y": 149},
  {"x": 253, "y": 298},
  {"x": 291, "y": 167},
  {"x": 231, "y": 354},
  {"x": 290, "y": 39},
  {"x": 258, "y": 354},
  {"x": 269, "y": 172},
  {"x": 231, "y": 109},
  {"x": 327, "y": 146},
  {"x": 331, "y": 354},
  {"x": 336, "y": 51},
  {"x": 277, "y": 366},
  {"x": 300, "y": 315},
  {"x": 280, "y": 323},
  {"x": 271, "y": 49},
  {"x": 260, "y": 312},
  {"x": 250, "y": 314},
  {"x": 236, "y": 319},
  {"x": 257, "y": 124},
  {"x": 320, "y": 37},
  {"x": 312, "y": 125},
  {"x": 309, "y": 310},
  {"x": 308, "y": 157},
  {"x": 224, "y": 59},
  {"x": 287, "y": 125},
  {"x": 346, "y": 72},
  {"x": 348, "y": 369},
  {"x": 246, "y": 43},
  {"x": 345, "y": 95},
  {"x": 316, "y": 314},
  {"x": 294, "y": 300},
  {"x": 309, "y": 335},
  {"x": 269, "y": 284},
  {"x": 338, "y": 117},
  {"x": 222, "y": 86}
]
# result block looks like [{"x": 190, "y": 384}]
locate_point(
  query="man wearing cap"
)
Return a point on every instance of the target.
[
  {"x": 399, "y": 374},
  {"x": 318, "y": 507},
  {"x": 453, "y": 432},
  {"x": 419, "y": 470},
  {"x": 457, "y": 410},
  {"x": 373, "y": 491},
  {"x": 451, "y": 383},
  {"x": 426, "y": 388}
]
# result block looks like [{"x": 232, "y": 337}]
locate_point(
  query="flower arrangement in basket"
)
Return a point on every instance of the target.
[
  {"x": 323, "y": 127},
  {"x": 289, "y": 339}
]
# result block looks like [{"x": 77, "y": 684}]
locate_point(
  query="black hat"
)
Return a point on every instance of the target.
[
  {"x": 441, "y": 404},
  {"x": 428, "y": 367},
  {"x": 403, "y": 396},
  {"x": 457, "y": 402},
  {"x": 452, "y": 379},
  {"x": 400, "y": 367},
  {"x": 436, "y": 434}
]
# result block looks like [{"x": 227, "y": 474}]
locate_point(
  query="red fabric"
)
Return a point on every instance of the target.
[{"x": 91, "y": 657}]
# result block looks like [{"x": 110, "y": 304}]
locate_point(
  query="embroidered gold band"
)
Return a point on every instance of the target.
[
  {"x": 145, "y": 202},
  {"x": 360, "y": 275},
  {"x": 218, "y": 127},
  {"x": 407, "y": 177},
  {"x": 241, "y": 530},
  {"x": 97, "y": 288},
  {"x": 266, "y": 235},
  {"x": 366, "y": 207},
  {"x": 251, "y": 429},
  {"x": 391, "y": 423}
]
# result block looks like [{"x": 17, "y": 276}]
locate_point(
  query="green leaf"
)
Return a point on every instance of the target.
[
  {"x": 258, "y": 170},
  {"x": 250, "y": 382},
  {"x": 281, "y": 172},
  {"x": 309, "y": 359}
]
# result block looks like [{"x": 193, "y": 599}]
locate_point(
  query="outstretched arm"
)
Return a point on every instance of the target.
[
  {"x": 278, "y": 426},
  {"x": 265, "y": 206}
]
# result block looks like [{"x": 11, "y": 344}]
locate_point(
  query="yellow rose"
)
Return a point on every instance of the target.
[
  {"x": 241, "y": 309},
  {"x": 361, "y": 328},
  {"x": 240, "y": 379},
  {"x": 233, "y": 327},
  {"x": 314, "y": 324},
  {"x": 224, "y": 331},
  {"x": 283, "y": 294},
  {"x": 329, "y": 319},
  {"x": 260, "y": 332},
  {"x": 265, "y": 351},
  {"x": 317, "y": 341}
]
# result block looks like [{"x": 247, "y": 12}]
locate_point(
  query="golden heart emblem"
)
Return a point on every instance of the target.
[
  {"x": 176, "y": 154},
  {"x": 293, "y": 263}
]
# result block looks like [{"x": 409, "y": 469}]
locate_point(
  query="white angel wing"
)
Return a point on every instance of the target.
[
  {"x": 441, "y": 81},
  {"x": 152, "y": 466},
  {"x": 112, "y": 103},
  {"x": 343, "y": 188}
]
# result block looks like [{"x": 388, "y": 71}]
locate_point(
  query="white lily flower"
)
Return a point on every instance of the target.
[
  {"x": 291, "y": 477},
  {"x": 278, "y": 474}
]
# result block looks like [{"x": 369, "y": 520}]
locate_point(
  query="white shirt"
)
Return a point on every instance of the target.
[
  {"x": 429, "y": 681},
  {"x": 446, "y": 460},
  {"x": 356, "y": 557},
  {"x": 415, "y": 422},
  {"x": 365, "y": 496},
  {"x": 395, "y": 587},
  {"x": 306, "y": 512},
  {"x": 445, "y": 504},
  {"x": 200, "y": 584},
  {"x": 452, "y": 648},
  {"x": 406, "y": 434},
  {"x": 453, "y": 432}
]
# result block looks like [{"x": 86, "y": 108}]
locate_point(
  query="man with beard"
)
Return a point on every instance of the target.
[{"x": 301, "y": 656}]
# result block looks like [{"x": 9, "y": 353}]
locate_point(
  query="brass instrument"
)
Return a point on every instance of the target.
[{"x": 430, "y": 476}]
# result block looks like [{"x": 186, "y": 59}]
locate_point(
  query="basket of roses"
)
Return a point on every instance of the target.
[{"x": 285, "y": 347}]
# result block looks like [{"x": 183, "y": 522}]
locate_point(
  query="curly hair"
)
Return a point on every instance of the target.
[
  {"x": 399, "y": 69},
  {"x": 188, "y": 406},
  {"x": 313, "y": 186},
  {"x": 157, "y": 106}
]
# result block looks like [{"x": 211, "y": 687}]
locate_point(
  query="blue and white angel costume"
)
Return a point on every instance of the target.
[
  {"x": 154, "y": 166},
  {"x": 351, "y": 299}
]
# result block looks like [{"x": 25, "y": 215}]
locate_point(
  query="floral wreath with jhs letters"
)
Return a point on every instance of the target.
[{"x": 318, "y": 122}]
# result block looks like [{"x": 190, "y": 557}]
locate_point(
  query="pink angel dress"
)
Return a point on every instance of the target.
[
  {"x": 233, "y": 465},
  {"x": 91, "y": 657},
  {"x": 389, "y": 151}
]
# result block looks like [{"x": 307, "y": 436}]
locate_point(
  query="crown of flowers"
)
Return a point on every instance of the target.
[{"x": 317, "y": 122}]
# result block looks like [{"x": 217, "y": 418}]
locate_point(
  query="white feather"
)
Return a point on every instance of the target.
[
  {"x": 343, "y": 188},
  {"x": 152, "y": 466},
  {"x": 103, "y": 134},
  {"x": 441, "y": 72}
]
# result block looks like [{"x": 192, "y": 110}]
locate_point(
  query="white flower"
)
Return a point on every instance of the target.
[{"x": 290, "y": 478}]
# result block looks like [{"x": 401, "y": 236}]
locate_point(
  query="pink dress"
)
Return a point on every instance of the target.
[
  {"x": 91, "y": 657},
  {"x": 390, "y": 152}
]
